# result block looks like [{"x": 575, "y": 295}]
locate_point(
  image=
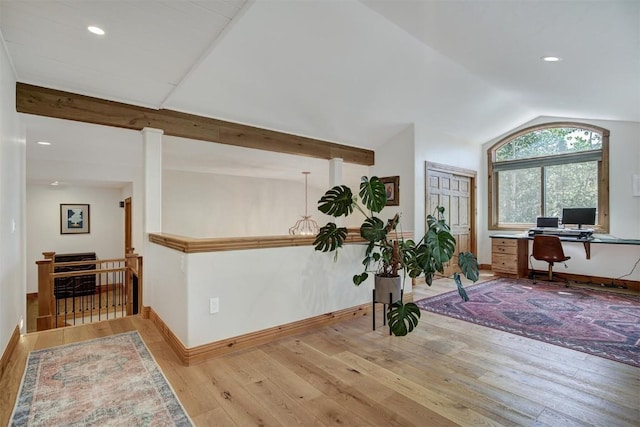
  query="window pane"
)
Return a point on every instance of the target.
[
  {"x": 571, "y": 186},
  {"x": 547, "y": 142},
  {"x": 519, "y": 196}
]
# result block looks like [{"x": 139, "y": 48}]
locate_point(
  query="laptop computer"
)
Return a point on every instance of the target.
[{"x": 547, "y": 221}]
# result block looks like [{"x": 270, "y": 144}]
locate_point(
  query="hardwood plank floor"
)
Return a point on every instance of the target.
[{"x": 445, "y": 373}]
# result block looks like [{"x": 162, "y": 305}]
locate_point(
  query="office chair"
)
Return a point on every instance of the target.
[{"x": 548, "y": 248}]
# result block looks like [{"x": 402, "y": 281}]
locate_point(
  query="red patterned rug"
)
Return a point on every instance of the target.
[
  {"x": 601, "y": 323},
  {"x": 110, "y": 381}
]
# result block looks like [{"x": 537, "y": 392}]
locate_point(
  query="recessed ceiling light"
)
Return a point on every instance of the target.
[
  {"x": 551, "y": 58},
  {"x": 96, "y": 30},
  {"x": 55, "y": 183},
  {"x": 43, "y": 143}
]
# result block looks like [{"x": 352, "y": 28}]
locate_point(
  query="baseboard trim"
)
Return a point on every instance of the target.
[
  {"x": 201, "y": 353},
  {"x": 174, "y": 342},
  {"x": 11, "y": 346},
  {"x": 632, "y": 285}
]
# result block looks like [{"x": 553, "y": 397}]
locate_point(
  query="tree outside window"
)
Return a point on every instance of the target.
[{"x": 540, "y": 170}]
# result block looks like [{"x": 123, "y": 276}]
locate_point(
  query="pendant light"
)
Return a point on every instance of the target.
[{"x": 305, "y": 226}]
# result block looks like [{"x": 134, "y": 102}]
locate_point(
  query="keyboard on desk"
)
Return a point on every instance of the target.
[{"x": 576, "y": 233}]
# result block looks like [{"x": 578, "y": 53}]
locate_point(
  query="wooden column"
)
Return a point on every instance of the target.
[
  {"x": 46, "y": 299},
  {"x": 128, "y": 284},
  {"x": 140, "y": 282},
  {"x": 134, "y": 267}
]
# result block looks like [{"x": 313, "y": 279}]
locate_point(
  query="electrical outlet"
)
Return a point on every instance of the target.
[{"x": 214, "y": 305}]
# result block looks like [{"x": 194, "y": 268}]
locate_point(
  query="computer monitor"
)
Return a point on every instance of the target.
[{"x": 579, "y": 216}]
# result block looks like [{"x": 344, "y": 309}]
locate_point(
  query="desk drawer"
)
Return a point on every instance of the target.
[
  {"x": 509, "y": 257},
  {"x": 504, "y": 263},
  {"x": 504, "y": 246}
]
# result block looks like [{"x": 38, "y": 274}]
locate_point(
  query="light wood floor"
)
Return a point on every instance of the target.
[{"x": 447, "y": 372}]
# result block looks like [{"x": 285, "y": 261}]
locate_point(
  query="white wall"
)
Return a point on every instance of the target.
[
  {"x": 396, "y": 158},
  {"x": 257, "y": 289},
  {"x": 12, "y": 207},
  {"x": 606, "y": 261},
  {"x": 212, "y": 205},
  {"x": 165, "y": 287},
  {"x": 106, "y": 236}
]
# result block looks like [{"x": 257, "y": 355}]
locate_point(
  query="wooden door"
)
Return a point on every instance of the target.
[{"x": 453, "y": 189}]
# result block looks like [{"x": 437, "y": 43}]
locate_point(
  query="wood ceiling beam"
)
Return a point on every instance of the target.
[{"x": 70, "y": 106}]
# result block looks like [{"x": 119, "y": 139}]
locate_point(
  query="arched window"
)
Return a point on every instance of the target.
[{"x": 542, "y": 169}]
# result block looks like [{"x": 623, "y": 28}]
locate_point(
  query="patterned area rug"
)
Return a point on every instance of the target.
[
  {"x": 601, "y": 323},
  {"x": 111, "y": 381}
]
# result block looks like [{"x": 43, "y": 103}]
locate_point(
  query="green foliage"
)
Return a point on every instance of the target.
[
  {"x": 373, "y": 194},
  {"x": 403, "y": 318},
  {"x": 359, "y": 278},
  {"x": 461, "y": 291},
  {"x": 469, "y": 266},
  {"x": 373, "y": 229},
  {"x": 330, "y": 238},
  {"x": 549, "y": 141},
  {"x": 388, "y": 251},
  {"x": 337, "y": 202}
]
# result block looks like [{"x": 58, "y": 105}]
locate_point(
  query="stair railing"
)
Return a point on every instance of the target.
[{"x": 112, "y": 288}]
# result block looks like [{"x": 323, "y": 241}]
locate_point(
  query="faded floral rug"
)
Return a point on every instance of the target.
[
  {"x": 110, "y": 381},
  {"x": 601, "y": 323}
]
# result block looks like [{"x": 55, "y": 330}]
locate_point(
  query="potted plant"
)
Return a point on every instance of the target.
[{"x": 388, "y": 253}]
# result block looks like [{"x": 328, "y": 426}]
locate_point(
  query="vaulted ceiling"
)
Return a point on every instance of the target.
[{"x": 352, "y": 72}]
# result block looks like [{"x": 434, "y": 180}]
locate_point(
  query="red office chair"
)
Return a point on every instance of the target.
[{"x": 548, "y": 248}]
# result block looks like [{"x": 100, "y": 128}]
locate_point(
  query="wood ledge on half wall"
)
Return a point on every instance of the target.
[{"x": 217, "y": 244}]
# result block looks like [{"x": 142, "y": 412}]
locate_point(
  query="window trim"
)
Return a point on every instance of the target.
[{"x": 603, "y": 173}]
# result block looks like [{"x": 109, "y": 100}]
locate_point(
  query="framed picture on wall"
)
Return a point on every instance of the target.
[
  {"x": 392, "y": 187},
  {"x": 74, "y": 219}
]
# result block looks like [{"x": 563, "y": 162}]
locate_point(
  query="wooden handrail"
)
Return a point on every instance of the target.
[
  {"x": 91, "y": 261},
  {"x": 86, "y": 272},
  {"x": 217, "y": 244},
  {"x": 132, "y": 266}
]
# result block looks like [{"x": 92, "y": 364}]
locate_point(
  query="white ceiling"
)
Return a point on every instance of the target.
[{"x": 353, "y": 72}]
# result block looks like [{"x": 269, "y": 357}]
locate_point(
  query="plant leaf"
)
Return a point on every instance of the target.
[
  {"x": 469, "y": 266},
  {"x": 403, "y": 318},
  {"x": 359, "y": 278},
  {"x": 461, "y": 291},
  {"x": 441, "y": 244},
  {"x": 330, "y": 238},
  {"x": 373, "y": 193},
  {"x": 337, "y": 201},
  {"x": 373, "y": 229},
  {"x": 428, "y": 278}
]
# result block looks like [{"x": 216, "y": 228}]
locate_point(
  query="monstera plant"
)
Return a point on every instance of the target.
[{"x": 387, "y": 253}]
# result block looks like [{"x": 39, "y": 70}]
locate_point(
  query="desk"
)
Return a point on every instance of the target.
[{"x": 510, "y": 252}]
